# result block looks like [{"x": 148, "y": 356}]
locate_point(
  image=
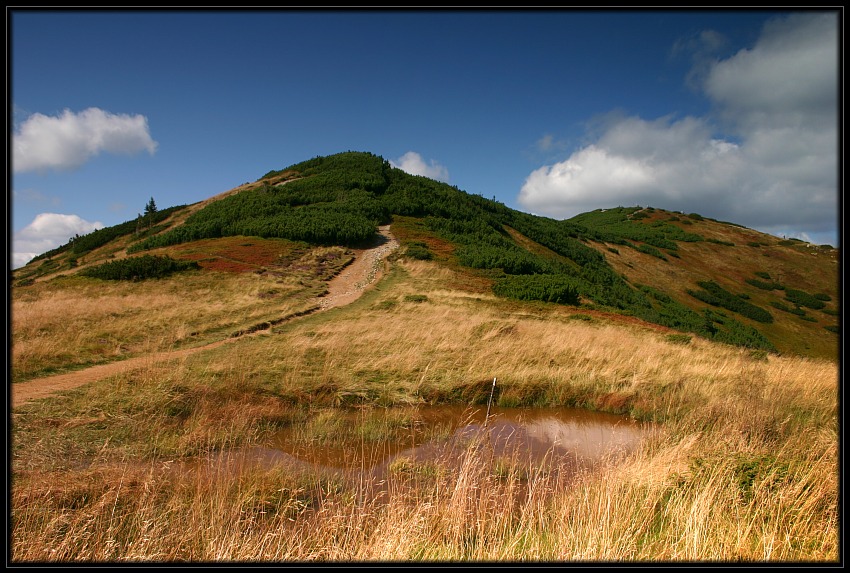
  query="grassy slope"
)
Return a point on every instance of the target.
[
  {"x": 70, "y": 322},
  {"x": 728, "y": 256},
  {"x": 744, "y": 469},
  {"x": 800, "y": 265}
]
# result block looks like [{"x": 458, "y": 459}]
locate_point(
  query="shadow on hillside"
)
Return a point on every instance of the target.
[{"x": 372, "y": 242}]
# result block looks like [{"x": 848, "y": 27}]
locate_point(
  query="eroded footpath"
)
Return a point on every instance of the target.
[{"x": 343, "y": 289}]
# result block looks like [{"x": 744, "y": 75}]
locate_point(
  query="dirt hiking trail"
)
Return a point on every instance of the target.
[{"x": 344, "y": 288}]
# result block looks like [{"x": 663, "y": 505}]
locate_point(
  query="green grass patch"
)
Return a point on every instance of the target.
[{"x": 678, "y": 338}]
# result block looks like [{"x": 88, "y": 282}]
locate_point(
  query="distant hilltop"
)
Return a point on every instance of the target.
[{"x": 686, "y": 272}]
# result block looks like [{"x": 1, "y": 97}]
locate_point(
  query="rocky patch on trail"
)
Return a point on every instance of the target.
[{"x": 366, "y": 268}]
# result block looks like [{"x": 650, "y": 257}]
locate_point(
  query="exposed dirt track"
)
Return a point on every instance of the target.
[
  {"x": 343, "y": 289},
  {"x": 368, "y": 264}
]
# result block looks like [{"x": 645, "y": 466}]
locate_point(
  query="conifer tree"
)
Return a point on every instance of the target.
[{"x": 150, "y": 210}]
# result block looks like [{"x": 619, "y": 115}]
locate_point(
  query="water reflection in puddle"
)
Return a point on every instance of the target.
[{"x": 369, "y": 443}]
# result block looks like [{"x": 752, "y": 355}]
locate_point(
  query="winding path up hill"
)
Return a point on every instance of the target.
[{"x": 343, "y": 289}]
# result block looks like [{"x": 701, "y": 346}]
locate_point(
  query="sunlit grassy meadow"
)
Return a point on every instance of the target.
[
  {"x": 73, "y": 322},
  {"x": 743, "y": 467}
]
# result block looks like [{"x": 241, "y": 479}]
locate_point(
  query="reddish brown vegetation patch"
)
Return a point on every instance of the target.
[
  {"x": 410, "y": 230},
  {"x": 613, "y": 402},
  {"x": 238, "y": 254}
]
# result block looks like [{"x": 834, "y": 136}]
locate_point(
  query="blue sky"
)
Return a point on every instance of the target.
[{"x": 732, "y": 114}]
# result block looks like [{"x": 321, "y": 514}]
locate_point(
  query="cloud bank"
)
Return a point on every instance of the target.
[
  {"x": 411, "y": 162},
  {"x": 766, "y": 158},
  {"x": 46, "y": 232},
  {"x": 69, "y": 139}
]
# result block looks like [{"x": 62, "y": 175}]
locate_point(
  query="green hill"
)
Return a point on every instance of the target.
[{"x": 696, "y": 275}]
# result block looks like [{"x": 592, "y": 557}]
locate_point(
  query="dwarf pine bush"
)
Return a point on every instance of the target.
[
  {"x": 138, "y": 268},
  {"x": 803, "y": 299}
]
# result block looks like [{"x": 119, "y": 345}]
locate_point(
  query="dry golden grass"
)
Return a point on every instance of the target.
[
  {"x": 744, "y": 465},
  {"x": 88, "y": 321}
]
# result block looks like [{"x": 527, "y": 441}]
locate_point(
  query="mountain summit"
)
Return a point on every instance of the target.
[{"x": 685, "y": 272}]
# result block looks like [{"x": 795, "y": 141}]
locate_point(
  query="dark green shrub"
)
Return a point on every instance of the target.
[
  {"x": 650, "y": 250},
  {"x": 547, "y": 288},
  {"x": 387, "y": 304},
  {"x": 785, "y": 308},
  {"x": 803, "y": 299},
  {"x": 416, "y": 298},
  {"x": 418, "y": 250},
  {"x": 736, "y": 334},
  {"x": 655, "y": 293},
  {"x": 719, "y": 242},
  {"x": 705, "y": 297},
  {"x": 715, "y": 295},
  {"x": 764, "y": 285},
  {"x": 510, "y": 258},
  {"x": 138, "y": 268}
]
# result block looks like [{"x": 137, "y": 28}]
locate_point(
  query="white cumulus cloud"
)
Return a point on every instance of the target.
[
  {"x": 637, "y": 162},
  {"x": 773, "y": 167},
  {"x": 411, "y": 162},
  {"x": 68, "y": 140},
  {"x": 46, "y": 232}
]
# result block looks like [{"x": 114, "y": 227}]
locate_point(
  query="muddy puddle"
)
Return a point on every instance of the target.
[{"x": 376, "y": 444}]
